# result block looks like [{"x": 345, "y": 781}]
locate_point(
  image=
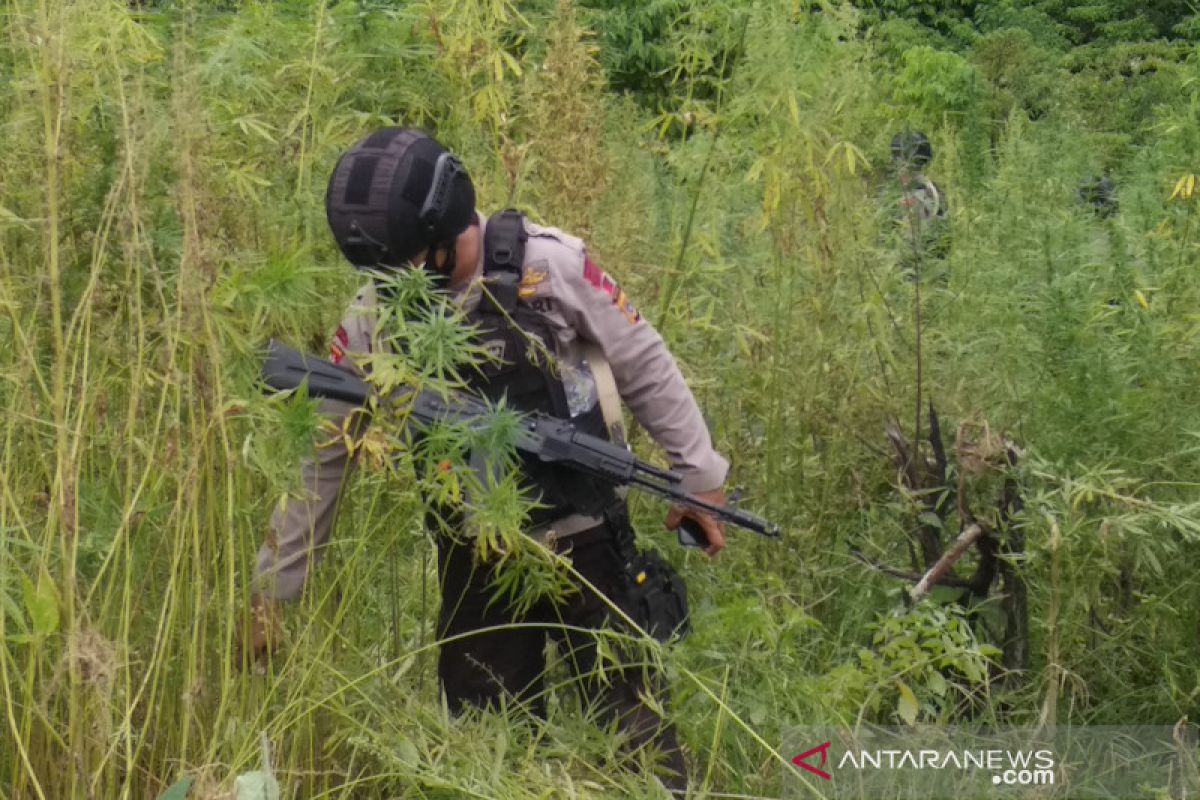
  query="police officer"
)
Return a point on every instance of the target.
[
  {"x": 398, "y": 200},
  {"x": 923, "y": 203},
  {"x": 1100, "y": 194},
  {"x": 1106, "y": 250}
]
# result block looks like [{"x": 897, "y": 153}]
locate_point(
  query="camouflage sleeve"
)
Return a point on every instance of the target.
[
  {"x": 647, "y": 376},
  {"x": 300, "y": 527}
]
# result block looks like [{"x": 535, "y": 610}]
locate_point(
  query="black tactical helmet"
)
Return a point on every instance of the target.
[
  {"x": 1100, "y": 194},
  {"x": 912, "y": 149},
  {"x": 394, "y": 194}
]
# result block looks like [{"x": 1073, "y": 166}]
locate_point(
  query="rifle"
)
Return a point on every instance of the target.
[{"x": 542, "y": 436}]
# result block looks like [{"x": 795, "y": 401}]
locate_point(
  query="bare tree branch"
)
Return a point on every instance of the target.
[
  {"x": 906, "y": 575},
  {"x": 931, "y": 578}
]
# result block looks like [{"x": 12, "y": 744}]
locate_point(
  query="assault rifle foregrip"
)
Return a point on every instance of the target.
[
  {"x": 547, "y": 438},
  {"x": 729, "y": 514},
  {"x": 560, "y": 442}
]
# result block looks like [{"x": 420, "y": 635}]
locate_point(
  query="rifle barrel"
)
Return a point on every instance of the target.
[{"x": 729, "y": 514}]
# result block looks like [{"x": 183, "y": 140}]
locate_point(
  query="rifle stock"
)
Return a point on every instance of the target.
[{"x": 286, "y": 368}]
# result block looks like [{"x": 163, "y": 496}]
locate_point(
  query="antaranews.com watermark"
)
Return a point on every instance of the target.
[{"x": 959, "y": 763}]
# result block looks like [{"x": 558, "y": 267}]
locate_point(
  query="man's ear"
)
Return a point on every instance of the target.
[
  {"x": 440, "y": 259},
  {"x": 444, "y": 258}
]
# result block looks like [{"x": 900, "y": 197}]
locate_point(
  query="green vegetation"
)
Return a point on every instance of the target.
[{"x": 161, "y": 216}]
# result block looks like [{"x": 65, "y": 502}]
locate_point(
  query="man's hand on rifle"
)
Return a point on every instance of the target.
[{"x": 712, "y": 529}]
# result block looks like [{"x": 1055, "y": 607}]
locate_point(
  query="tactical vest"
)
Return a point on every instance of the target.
[{"x": 524, "y": 371}]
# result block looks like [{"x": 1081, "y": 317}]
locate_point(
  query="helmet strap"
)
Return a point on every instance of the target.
[{"x": 441, "y": 277}]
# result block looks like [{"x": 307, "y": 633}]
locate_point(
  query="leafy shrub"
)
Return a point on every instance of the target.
[{"x": 935, "y": 83}]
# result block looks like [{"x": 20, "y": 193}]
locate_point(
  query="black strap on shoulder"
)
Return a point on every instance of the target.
[
  {"x": 624, "y": 540},
  {"x": 504, "y": 257}
]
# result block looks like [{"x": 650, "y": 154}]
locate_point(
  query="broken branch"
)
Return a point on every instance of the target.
[{"x": 931, "y": 578}]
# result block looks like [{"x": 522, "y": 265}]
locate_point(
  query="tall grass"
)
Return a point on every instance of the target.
[{"x": 161, "y": 184}]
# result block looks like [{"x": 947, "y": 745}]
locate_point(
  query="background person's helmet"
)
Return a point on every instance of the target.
[
  {"x": 394, "y": 194},
  {"x": 1100, "y": 193},
  {"x": 912, "y": 149}
]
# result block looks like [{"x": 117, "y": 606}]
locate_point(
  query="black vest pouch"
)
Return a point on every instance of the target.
[
  {"x": 654, "y": 594},
  {"x": 656, "y": 597}
]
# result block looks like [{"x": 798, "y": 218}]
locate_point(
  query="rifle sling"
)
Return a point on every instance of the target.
[{"x": 606, "y": 391}]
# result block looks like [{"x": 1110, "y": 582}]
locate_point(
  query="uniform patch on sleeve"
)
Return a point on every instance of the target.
[
  {"x": 533, "y": 276},
  {"x": 337, "y": 348},
  {"x": 600, "y": 279}
]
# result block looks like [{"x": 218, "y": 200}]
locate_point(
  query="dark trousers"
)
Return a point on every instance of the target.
[{"x": 481, "y": 669}]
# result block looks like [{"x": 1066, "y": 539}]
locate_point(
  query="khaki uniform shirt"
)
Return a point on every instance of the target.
[
  {"x": 925, "y": 199},
  {"x": 580, "y": 303}
]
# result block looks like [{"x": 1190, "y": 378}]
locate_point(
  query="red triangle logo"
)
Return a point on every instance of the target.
[{"x": 823, "y": 749}]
